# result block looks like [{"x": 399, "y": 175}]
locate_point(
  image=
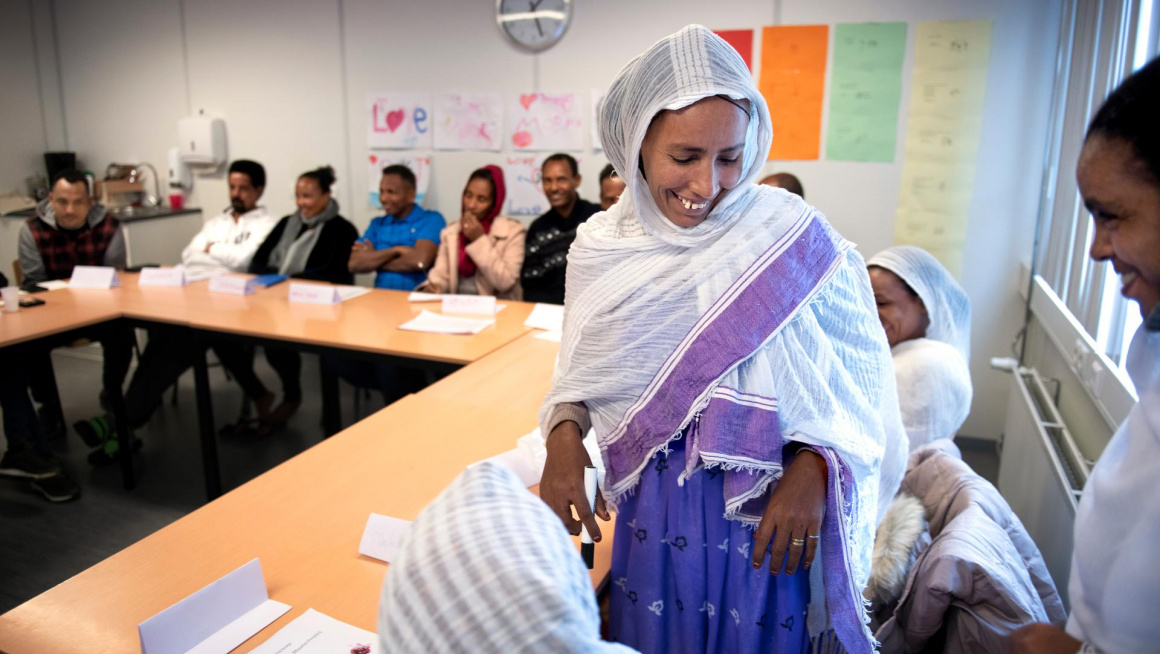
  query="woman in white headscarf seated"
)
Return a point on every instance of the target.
[
  {"x": 721, "y": 339},
  {"x": 487, "y": 567},
  {"x": 927, "y": 318}
]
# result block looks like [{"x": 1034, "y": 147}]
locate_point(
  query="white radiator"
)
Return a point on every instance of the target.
[{"x": 1041, "y": 473}]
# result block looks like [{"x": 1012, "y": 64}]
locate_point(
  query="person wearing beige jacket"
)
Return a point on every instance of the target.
[{"x": 482, "y": 252}]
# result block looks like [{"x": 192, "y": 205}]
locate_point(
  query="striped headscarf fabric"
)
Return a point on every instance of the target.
[{"x": 487, "y": 567}]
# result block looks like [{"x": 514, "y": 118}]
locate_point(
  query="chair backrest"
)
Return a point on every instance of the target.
[{"x": 17, "y": 273}]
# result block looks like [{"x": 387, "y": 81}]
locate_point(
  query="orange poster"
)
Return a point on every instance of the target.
[{"x": 793, "y": 79}]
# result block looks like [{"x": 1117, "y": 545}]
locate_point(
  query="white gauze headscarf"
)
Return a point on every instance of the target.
[
  {"x": 933, "y": 374},
  {"x": 639, "y": 287},
  {"x": 487, "y": 567}
]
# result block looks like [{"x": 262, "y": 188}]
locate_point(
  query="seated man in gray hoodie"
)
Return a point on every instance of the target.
[{"x": 69, "y": 230}]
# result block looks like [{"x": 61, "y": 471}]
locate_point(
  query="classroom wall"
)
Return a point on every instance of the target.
[{"x": 290, "y": 79}]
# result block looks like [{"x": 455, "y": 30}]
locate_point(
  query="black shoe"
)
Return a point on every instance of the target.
[
  {"x": 26, "y": 463},
  {"x": 57, "y": 488}
]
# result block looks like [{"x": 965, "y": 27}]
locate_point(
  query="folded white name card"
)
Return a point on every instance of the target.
[
  {"x": 382, "y": 537},
  {"x": 162, "y": 277},
  {"x": 324, "y": 294},
  {"x": 94, "y": 277},
  {"x": 231, "y": 285},
  {"x": 215, "y": 619},
  {"x": 475, "y": 305}
]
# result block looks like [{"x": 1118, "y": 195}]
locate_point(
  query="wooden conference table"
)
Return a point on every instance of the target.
[
  {"x": 364, "y": 327},
  {"x": 303, "y": 520}
]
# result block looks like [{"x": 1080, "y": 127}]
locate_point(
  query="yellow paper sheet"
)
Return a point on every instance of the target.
[{"x": 942, "y": 141}]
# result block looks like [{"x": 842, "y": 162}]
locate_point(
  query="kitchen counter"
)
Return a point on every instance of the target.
[{"x": 125, "y": 215}]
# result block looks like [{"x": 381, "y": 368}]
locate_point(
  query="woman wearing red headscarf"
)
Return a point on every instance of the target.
[{"x": 482, "y": 252}]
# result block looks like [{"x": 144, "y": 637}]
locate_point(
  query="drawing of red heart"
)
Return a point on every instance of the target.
[
  {"x": 522, "y": 139},
  {"x": 394, "y": 119},
  {"x": 527, "y": 99},
  {"x": 374, "y": 159}
]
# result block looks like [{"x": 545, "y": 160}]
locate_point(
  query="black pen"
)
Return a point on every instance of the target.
[{"x": 587, "y": 547}]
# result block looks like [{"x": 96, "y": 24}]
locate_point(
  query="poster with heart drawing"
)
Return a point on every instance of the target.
[
  {"x": 545, "y": 122},
  {"x": 399, "y": 121}
]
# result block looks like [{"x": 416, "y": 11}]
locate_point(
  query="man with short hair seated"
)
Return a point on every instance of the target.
[
  {"x": 399, "y": 246},
  {"x": 786, "y": 181},
  {"x": 225, "y": 245},
  {"x": 70, "y": 229},
  {"x": 611, "y": 186},
  {"x": 550, "y": 235}
]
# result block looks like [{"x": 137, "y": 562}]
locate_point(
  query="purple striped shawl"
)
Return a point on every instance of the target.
[{"x": 740, "y": 432}]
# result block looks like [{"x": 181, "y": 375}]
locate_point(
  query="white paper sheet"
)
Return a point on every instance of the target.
[
  {"x": 516, "y": 461},
  {"x": 53, "y": 285},
  {"x": 382, "y": 536},
  {"x": 549, "y": 317},
  {"x": 434, "y": 323},
  {"x": 416, "y": 296},
  {"x": 318, "y": 633},
  {"x": 553, "y": 337},
  {"x": 215, "y": 619},
  {"x": 351, "y": 292}
]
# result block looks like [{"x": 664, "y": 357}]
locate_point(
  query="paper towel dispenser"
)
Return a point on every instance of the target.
[{"x": 202, "y": 140}]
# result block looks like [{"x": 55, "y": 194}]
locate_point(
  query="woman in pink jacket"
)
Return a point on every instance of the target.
[{"x": 482, "y": 252}]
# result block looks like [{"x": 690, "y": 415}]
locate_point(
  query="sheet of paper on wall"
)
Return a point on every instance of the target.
[
  {"x": 865, "y": 91},
  {"x": 944, "y": 126},
  {"x": 549, "y": 317},
  {"x": 525, "y": 196},
  {"x": 420, "y": 164},
  {"x": 318, "y": 633},
  {"x": 399, "y": 121},
  {"x": 382, "y": 536},
  {"x": 742, "y": 42},
  {"x": 793, "y": 79},
  {"x": 435, "y": 323},
  {"x": 545, "y": 122},
  {"x": 469, "y": 121}
]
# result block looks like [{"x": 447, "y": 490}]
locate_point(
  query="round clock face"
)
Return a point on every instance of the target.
[{"x": 533, "y": 25}]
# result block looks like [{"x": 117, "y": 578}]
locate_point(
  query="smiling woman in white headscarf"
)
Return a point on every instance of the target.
[
  {"x": 721, "y": 338},
  {"x": 927, "y": 319}
]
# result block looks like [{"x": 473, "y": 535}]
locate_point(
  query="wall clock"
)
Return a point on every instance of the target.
[{"x": 533, "y": 25}]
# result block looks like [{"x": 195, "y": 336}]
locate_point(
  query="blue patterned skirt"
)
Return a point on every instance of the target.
[{"x": 683, "y": 579}]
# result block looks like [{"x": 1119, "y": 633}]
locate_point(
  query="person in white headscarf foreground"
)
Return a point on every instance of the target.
[
  {"x": 927, "y": 319},
  {"x": 721, "y": 338},
  {"x": 1115, "y": 582},
  {"x": 486, "y": 567}
]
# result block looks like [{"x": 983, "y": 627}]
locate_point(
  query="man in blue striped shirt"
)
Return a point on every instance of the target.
[{"x": 400, "y": 246}]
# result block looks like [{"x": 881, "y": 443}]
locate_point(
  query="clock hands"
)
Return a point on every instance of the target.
[{"x": 533, "y": 6}]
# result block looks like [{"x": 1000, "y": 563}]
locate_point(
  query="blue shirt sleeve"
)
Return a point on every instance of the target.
[
  {"x": 430, "y": 227},
  {"x": 371, "y": 233}
]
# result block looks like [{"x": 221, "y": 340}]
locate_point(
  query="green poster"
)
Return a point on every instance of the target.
[{"x": 865, "y": 91}]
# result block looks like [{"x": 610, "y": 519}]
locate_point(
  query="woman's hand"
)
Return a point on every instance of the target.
[
  {"x": 1042, "y": 638},
  {"x": 562, "y": 485},
  {"x": 429, "y": 287},
  {"x": 795, "y": 511},
  {"x": 472, "y": 228}
]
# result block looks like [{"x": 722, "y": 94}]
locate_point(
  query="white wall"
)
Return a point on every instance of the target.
[{"x": 290, "y": 79}]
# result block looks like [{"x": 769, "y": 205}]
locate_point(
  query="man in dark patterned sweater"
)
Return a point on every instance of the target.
[
  {"x": 550, "y": 236},
  {"x": 70, "y": 230}
]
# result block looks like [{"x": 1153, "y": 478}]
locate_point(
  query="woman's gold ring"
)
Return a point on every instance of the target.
[{"x": 797, "y": 542}]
